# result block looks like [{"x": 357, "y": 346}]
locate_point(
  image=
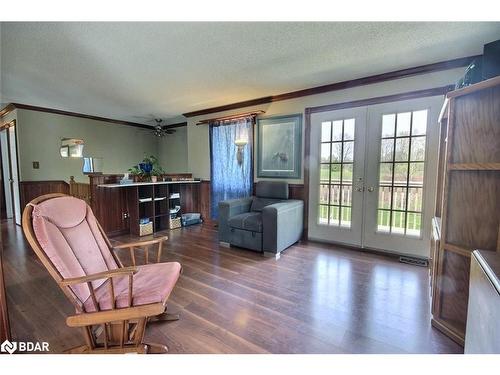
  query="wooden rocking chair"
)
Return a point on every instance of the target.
[{"x": 113, "y": 303}]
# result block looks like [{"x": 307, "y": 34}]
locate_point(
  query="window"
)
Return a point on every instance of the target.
[
  {"x": 401, "y": 173},
  {"x": 336, "y": 171}
]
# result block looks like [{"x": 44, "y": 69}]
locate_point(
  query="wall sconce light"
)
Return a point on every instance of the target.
[{"x": 240, "y": 143}]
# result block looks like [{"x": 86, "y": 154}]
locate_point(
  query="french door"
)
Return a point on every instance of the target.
[{"x": 373, "y": 175}]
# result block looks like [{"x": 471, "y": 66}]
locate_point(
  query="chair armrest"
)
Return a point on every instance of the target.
[
  {"x": 282, "y": 225},
  {"x": 124, "y": 271},
  {"x": 228, "y": 209},
  {"x": 143, "y": 245},
  {"x": 233, "y": 207}
]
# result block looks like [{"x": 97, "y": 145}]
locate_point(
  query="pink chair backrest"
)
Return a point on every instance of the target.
[{"x": 67, "y": 231}]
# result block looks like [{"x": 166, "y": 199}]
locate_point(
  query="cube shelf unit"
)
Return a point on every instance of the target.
[{"x": 152, "y": 201}]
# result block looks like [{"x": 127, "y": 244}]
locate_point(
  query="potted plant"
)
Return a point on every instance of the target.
[{"x": 147, "y": 170}]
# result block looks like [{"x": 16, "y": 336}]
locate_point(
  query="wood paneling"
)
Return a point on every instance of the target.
[
  {"x": 79, "y": 190},
  {"x": 471, "y": 145},
  {"x": 473, "y": 203},
  {"x": 397, "y": 74},
  {"x": 109, "y": 205},
  {"x": 205, "y": 203},
  {"x": 30, "y": 190},
  {"x": 315, "y": 299}
]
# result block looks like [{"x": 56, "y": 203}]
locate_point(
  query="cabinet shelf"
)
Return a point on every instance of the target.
[{"x": 474, "y": 166}]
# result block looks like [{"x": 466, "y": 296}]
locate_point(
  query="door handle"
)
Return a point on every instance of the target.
[
  {"x": 371, "y": 189},
  {"x": 360, "y": 188}
]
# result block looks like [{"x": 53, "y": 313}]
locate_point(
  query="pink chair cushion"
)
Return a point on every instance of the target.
[
  {"x": 67, "y": 231},
  {"x": 153, "y": 283}
]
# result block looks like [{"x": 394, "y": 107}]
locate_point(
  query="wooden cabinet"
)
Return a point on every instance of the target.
[
  {"x": 469, "y": 202},
  {"x": 483, "y": 323}
]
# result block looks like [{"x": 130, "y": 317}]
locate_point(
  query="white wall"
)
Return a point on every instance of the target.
[
  {"x": 197, "y": 136},
  {"x": 173, "y": 151}
]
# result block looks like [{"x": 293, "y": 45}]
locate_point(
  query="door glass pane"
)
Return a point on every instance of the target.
[
  {"x": 336, "y": 152},
  {"x": 348, "y": 152},
  {"x": 324, "y": 190},
  {"x": 398, "y": 222},
  {"x": 400, "y": 173},
  {"x": 385, "y": 177},
  {"x": 388, "y": 125},
  {"x": 345, "y": 219},
  {"x": 416, "y": 174},
  {"x": 346, "y": 173},
  {"x": 413, "y": 223},
  {"x": 387, "y": 150},
  {"x": 336, "y": 172},
  {"x": 349, "y": 129},
  {"x": 334, "y": 215},
  {"x": 324, "y": 173},
  {"x": 415, "y": 199},
  {"x": 337, "y": 130},
  {"x": 384, "y": 197},
  {"x": 384, "y": 221},
  {"x": 402, "y": 149},
  {"x": 347, "y": 195},
  {"x": 323, "y": 214},
  {"x": 325, "y": 152},
  {"x": 401, "y": 176},
  {"x": 417, "y": 149},
  {"x": 335, "y": 194},
  {"x": 326, "y": 131},
  {"x": 403, "y": 124},
  {"x": 419, "y": 125}
]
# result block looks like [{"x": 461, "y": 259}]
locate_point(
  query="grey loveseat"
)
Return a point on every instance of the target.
[{"x": 268, "y": 222}]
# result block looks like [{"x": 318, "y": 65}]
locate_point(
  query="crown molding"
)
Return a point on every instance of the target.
[{"x": 397, "y": 74}]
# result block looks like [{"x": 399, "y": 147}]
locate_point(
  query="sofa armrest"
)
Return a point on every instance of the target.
[
  {"x": 282, "y": 225},
  {"x": 228, "y": 209}
]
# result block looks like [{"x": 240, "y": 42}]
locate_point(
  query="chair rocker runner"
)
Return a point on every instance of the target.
[{"x": 113, "y": 303}]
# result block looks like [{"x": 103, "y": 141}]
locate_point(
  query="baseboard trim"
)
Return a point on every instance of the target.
[{"x": 448, "y": 331}]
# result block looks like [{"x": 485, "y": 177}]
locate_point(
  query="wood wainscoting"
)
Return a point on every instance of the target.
[
  {"x": 29, "y": 190},
  {"x": 79, "y": 190}
]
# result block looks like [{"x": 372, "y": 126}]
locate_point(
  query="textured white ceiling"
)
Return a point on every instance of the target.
[{"x": 122, "y": 70}]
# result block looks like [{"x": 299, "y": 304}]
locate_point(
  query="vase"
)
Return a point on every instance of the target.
[{"x": 154, "y": 178}]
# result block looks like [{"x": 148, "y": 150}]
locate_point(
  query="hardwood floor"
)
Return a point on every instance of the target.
[{"x": 316, "y": 299}]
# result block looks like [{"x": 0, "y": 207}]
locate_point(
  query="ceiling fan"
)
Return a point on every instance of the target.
[{"x": 159, "y": 130}]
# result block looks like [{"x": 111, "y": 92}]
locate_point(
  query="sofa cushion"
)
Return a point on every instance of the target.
[
  {"x": 251, "y": 221},
  {"x": 272, "y": 189},
  {"x": 259, "y": 203}
]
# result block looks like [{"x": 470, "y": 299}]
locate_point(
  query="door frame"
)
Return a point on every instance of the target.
[
  {"x": 435, "y": 91},
  {"x": 5, "y": 127}
]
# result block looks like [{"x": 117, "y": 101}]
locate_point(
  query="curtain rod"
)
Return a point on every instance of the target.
[{"x": 231, "y": 117}]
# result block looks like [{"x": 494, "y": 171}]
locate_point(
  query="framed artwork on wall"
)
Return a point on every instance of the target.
[{"x": 279, "y": 147}]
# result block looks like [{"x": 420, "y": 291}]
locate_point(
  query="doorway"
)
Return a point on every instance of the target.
[
  {"x": 373, "y": 175},
  {"x": 10, "y": 171}
]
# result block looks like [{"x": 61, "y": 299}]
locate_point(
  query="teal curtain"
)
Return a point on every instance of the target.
[{"x": 231, "y": 174}]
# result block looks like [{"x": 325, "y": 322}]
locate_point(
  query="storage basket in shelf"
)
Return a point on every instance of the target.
[
  {"x": 175, "y": 223},
  {"x": 145, "y": 229}
]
